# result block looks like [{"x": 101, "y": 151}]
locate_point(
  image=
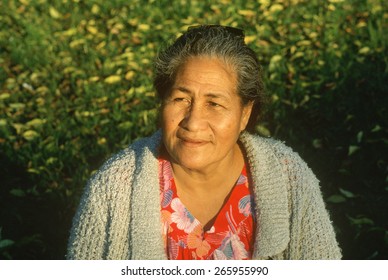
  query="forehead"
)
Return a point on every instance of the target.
[{"x": 206, "y": 73}]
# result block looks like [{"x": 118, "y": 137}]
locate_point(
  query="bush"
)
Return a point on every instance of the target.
[{"x": 76, "y": 86}]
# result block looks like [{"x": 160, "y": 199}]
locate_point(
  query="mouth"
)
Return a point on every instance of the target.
[{"x": 190, "y": 142}]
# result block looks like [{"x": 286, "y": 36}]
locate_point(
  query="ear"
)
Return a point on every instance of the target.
[{"x": 246, "y": 113}]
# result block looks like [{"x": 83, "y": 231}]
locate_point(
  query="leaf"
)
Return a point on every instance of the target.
[
  {"x": 54, "y": 13},
  {"x": 6, "y": 243},
  {"x": 303, "y": 43},
  {"x": 361, "y": 221},
  {"x": 317, "y": 143},
  {"x": 376, "y": 128},
  {"x": 69, "y": 69},
  {"x": 17, "y": 106},
  {"x": 36, "y": 123},
  {"x": 250, "y": 39},
  {"x": 276, "y": 8},
  {"x": 262, "y": 130},
  {"x": 275, "y": 62},
  {"x": 4, "y": 96},
  {"x": 17, "y": 192},
  {"x": 359, "y": 136},
  {"x": 51, "y": 160},
  {"x": 297, "y": 55},
  {"x": 33, "y": 170},
  {"x": 112, "y": 79},
  {"x": 18, "y": 127},
  {"x": 143, "y": 27},
  {"x": 95, "y": 9},
  {"x": 70, "y": 32},
  {"x": 353, "y": 149},
  {"x": 3, "y": 122},
  {"x": 125, "y": 125},
  {"x": 92, "y": 29},
  {"x": 129, "y": 75},
  {"x": 247, "y": 13},
  {"x": 346, "y": 193},
  {"x": 30, "y": 135},
  {"x": 336, "y": 198},
  {"x": 364, "y": 50},
  {"x": 77, "y": 42},
  {"x": 101, "y": 141},
  {"x": 276, "y": 58}
]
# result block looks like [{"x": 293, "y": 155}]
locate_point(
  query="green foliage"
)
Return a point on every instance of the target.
[{"x": 76, "y": 86}]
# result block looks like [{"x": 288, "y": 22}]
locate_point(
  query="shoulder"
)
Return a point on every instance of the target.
[
  {"x": 266, "y": 146},
  {"x": 120, "y": 167},
  {"x": 267, "y": 149}
]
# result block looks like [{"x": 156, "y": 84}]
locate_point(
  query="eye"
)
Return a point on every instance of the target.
[
  {"x": 214, "y": 104},
  {"x": 181, "y": 100}
]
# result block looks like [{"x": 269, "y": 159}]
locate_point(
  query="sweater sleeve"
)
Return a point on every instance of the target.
[
  {"x": 312, "y": 235},
  {"x": 87, "y": 235},
  {"x": 95, "y": 221}
]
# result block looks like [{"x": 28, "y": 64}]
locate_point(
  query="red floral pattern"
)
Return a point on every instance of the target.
[{"x": 230, "y": 237}]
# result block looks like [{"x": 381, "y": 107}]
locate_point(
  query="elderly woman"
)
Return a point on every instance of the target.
[{"x": 202, "y": 187}]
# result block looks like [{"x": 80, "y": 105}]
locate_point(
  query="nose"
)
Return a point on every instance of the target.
[{"x": 195, "y": 118}]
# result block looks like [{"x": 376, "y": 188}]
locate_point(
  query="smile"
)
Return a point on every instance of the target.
[{"x": 192, "y": 143}]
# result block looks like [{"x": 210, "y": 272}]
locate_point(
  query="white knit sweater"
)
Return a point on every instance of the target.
[{"x": 119, "y": 213}]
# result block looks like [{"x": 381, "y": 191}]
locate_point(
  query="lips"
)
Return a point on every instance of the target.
[{"x": 192, "y": 142}]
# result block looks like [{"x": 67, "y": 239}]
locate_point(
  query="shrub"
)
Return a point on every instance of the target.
[{"x": 75, "y": 87}]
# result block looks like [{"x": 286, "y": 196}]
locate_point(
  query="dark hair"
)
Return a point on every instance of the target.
[{"x": 222, "y": 42}]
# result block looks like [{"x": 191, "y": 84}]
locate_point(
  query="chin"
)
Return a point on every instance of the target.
[{"x": 191, "y": 164}]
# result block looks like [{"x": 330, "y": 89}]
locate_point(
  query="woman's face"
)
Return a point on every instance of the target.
[{"x": 203, "y": 116}]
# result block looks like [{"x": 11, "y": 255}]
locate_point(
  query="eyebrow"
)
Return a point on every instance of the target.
[{"x": 210, "y": 94}]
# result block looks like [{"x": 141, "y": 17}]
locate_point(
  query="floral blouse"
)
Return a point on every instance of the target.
[{"x": 230, "y": 237}]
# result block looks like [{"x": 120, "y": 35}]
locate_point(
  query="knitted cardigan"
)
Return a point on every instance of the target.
[{"x": 119, "y": 212}]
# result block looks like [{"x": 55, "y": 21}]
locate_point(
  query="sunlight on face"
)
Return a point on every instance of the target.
[{"x": 203, "y": 115}]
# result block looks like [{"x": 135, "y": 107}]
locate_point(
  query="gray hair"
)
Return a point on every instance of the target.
[{"x": 225, "y": 43}]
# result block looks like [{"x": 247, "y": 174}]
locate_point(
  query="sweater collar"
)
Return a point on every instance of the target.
[
  {"x": 271, "y": 196},
  {"x": 145, "y": 232}
]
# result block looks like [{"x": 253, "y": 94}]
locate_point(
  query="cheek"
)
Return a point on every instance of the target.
[
  {"x": 169, "y": 122},
  {"x": 227, "y": 122},
  {"x": 172, "y": 116}
]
